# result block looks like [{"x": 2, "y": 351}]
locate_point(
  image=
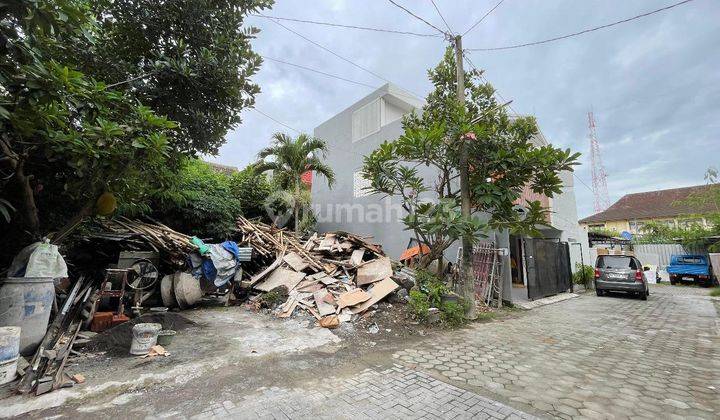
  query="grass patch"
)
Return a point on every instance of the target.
[{"x": 715, "y": 291}]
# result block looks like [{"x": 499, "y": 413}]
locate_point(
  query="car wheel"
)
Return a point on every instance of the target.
[
  {"x": 672, "y": 282},
  {"x": 644, "y": 295},
  {"x": 599, "y": 292}
]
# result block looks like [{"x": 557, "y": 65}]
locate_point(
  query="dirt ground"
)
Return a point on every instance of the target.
[{"x": 215, "y": 343}]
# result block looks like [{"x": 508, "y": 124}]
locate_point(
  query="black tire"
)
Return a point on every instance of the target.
[
  {"x": 600, "y": 292},
  {"x": 644, "y": 295},
  {"x": 672, "y": 282}
]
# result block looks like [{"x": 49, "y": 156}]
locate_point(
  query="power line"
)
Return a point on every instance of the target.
[
  {"x": 545, "y": 41},
  {"x": 338, "y": 25},
  {"x": 342, "y": 58},
  {"x": 273, "y": 119},
  {"x": 437, "y": 9},
  {"x": 331, "y": 52},
  {"x": 318, "y": 71},
  {"x": 418, "y": 17},
  {"x": 483, "y": 18}
]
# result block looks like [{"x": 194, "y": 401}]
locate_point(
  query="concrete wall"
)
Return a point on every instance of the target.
[{"x": 564, "y": 218}]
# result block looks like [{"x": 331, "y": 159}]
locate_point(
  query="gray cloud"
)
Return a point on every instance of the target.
[{"x": 653, "y": 84}]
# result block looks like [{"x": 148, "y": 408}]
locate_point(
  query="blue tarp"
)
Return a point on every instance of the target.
[{"x": 219, "y": 263}]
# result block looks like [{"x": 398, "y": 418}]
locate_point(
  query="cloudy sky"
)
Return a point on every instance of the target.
[{"x": 653, "y": 83}]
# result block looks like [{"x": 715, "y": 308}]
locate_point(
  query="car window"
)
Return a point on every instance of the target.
[{"x": 616, "y": 262}]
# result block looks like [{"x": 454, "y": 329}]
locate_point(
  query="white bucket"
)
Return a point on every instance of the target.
[
  {"x": 9, "y": 343},
  {"x": 144, "y": 337},
  {"x": 8, "y": 370}
]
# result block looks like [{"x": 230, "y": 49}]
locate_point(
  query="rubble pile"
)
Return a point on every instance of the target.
[{"x": 334, "y": 276}]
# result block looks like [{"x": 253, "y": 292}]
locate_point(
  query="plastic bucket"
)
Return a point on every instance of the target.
[
  {"x": 26, "y": 302},
  {"x": 144, "y": 336},
  {"x": 8, "y": 370},
  {"x": 165, "y": 337},
  {"x": 9, "y": 343}
]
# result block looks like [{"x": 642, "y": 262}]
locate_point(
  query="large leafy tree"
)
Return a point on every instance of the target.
[
  {"x": 188, "y": 59},
  {"x": 61, "y": 129},
  {"x": 502, "y": 159},
  {"x": 290, "y": 159}
]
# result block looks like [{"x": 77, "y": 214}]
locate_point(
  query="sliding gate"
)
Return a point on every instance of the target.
[{"x": 548, "y": 267}]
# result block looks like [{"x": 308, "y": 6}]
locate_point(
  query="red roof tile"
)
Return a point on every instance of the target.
[{"x": 653, "y": 204}]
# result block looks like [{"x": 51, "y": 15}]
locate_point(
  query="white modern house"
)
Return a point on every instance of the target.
[{"x": 360, "y": 129}]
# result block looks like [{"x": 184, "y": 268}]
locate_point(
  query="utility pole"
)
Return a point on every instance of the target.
[{"x": 468, "y": 280}]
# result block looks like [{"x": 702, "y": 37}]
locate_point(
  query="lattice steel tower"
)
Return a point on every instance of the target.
[{"x": 599, "y": 177}]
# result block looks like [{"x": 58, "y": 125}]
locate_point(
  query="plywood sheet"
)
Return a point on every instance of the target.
[
  {"x": 378, "y": 292},
  {"x": 374, "y": 271},
  {"x": 280, "y": 277}
]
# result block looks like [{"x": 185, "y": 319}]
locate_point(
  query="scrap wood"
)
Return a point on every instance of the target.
[
  {"x": 324, "y": 307},
  {"x": 156, "y": 350},
  {"x": 357, "y": 257},
  {"x": 330, "y": 321},
  {"x": 280, "y": 277},
  {"x": 353, "y": 298},
  {"x": 295, "y": 261},
  {"x": 378, "y": 292},
  {"x": 375, "y": 270},
  {"x": 261, "y": 275}
]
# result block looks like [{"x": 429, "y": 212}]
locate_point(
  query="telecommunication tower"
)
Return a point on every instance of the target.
[{"x": 599, "y": 177}]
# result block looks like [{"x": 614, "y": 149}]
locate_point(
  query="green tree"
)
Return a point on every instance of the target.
[
  {"x": 201, "y": 202},
  {"x": 291, "y": 158},
  {"x": 503, "y": 160},
  {"x": 191, "y": 60},
  {"x": 251, "y": 189},
  {"x": 61, "y": 128}
]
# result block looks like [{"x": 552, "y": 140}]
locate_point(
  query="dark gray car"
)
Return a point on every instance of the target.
[{"x": 621, "y": 273}]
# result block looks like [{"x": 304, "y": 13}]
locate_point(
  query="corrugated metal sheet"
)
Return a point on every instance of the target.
[
  {"x": 659, "y": 254},
  {"x": 245, "y": 254}
]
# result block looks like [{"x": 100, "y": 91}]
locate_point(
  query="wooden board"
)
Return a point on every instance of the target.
[
  {"x": 357, "y": 257},
  {"x": 378, "y": 292},
  {"x": 353, "y": 298},
  {"x": 320, "y": 302},
  {"x": 281, "y": 277},
  {"x": 295, "y": 261},
  {"x": 373, "y": 271}
]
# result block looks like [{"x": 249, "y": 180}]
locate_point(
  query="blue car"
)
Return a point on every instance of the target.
[{"x": 690, "y": 268}]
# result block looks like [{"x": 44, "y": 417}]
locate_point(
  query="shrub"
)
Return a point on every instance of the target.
[
  {"x": 715, "y": 291},
  {"x": 583, "y": 274},
  {"x": 429, "y": 294}
]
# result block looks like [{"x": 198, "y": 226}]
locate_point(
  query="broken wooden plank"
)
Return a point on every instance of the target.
[
  {"x": 261, "y": 275},
  {"x": 280, "y": 277},
  {"x": 295, "y": 261},
  {"x": 353, "y": 298},
  {"x": 373, "y": 271},
  {"x": 357, "y": 256},
  {"x": 322, "y": 305},
  {"x": 378, "y": 292}
]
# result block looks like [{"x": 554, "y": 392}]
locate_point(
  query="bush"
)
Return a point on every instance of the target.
[
  {"x": 715, "y": 291},
  {"x": 200, "y": 203},
  {"x": 583, "y": 274},
  {"x": 429, "y": 294},
  {"x": 251, "y": 190}
]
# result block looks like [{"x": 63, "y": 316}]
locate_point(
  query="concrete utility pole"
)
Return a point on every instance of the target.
[{"x": 468, "y": 280}]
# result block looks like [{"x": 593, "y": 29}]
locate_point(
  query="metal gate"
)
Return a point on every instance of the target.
[{"x": 548, "y": 267}]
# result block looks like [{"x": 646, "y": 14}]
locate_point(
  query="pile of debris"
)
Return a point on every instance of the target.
[{"x": 334, "y": 277}]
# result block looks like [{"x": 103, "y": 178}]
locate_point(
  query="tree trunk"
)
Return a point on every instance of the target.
[
  {"x": 296, "y": 205},
  {"x": 27, "y": 198}
]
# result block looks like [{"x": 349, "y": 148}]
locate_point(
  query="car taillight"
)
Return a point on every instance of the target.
[
  {"x": 639, "y": 276},
  {"x": 597, "y": 273}
]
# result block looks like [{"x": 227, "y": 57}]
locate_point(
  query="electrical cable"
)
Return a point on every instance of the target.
[
  {"x": 483, "y": 18},
  {"x": 318, "y": 71},
  {"x": 339, "y": 25},
  {"x": 437, "y": 9},
  {"x": 273, "y": 119},
  {"x": 418, "y": 17},
  {"x": 557, "y": 38}
]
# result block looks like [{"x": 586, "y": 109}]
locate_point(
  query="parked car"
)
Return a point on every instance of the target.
[
  {"x": 620, "y": 273},
  {"x": 690, "y": 268}
]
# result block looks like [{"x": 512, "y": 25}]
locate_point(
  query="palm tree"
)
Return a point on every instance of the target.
[{"x": 290, "y": 159}]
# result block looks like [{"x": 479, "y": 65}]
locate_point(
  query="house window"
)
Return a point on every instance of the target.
[
  {"x": 367, "y": 120},
  {"x": 360, "y": 184},
  {"x": 636, "y": 227}
]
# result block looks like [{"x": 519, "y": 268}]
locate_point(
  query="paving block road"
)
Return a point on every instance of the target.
[{"x": 611, "y": 357}]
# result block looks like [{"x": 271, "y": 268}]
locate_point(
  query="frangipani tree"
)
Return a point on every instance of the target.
[{"x": 502, "y": 161}]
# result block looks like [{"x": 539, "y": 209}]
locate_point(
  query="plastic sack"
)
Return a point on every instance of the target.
[
  {"x": 19, "y": 263},
  {"x": 46, "y": 261}
]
